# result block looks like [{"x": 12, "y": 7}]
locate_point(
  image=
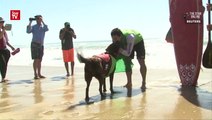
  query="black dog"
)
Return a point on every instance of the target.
[{"x": 100, "y": 67}]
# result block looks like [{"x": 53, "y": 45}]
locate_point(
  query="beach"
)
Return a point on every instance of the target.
[{"x": 59, "y": 97}]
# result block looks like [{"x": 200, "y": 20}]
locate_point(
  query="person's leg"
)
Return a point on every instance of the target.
[
  {"x": 128, "y": 63},
  {"x": 67, "y": 68},
  {"x": 66, "y": 59},
  {"x": 35, "y": 53},
  {"x": 4, "y": 58},
  {"x": 140, "y": 52},
  {"x": 35, "y": 64},
  {"x": 2, "y": 65},
  {"x": 40, "y": 56},
  {"x": 143, "y": 71},
  {"x": 2, "y": 70},
  {"x": 72, "y": 60},
  {"x": 129, "y": 79},
  {"x": 7, "y": 57},
  {"x": 39, "y": 68},
  {"x": 72, "y": 68}
]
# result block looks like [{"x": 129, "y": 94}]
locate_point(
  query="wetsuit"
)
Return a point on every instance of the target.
[{"x": 131, "y": 41}]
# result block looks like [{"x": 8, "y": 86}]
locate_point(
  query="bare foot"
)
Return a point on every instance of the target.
[
  {"x": 67, "y": 75},
  {"x": 128, "y": 85},
  {"x": 143, "y": 88},
  {"x": 41, "y": 76},
  {"x": 4, "y": 80}
]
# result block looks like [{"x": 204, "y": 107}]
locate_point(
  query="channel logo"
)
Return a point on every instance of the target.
[{"x": 15, "y": 14}]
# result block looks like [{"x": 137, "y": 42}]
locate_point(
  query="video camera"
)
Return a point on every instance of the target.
[
  {"x": 34, "y": 18},
  {"x": 8, "y": 27},
  {"x": 67, "y": 26},
  {"x": 31, "y": 19}
]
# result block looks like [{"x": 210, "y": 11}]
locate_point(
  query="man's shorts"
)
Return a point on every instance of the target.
[
  {"x": 139, "y": 49},
  {"x": 36, "y": 50},
  {"x": 68, "y": 55}
]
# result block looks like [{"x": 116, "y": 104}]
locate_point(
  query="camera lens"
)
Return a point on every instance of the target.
[
  {"x": 68, "y": 26},
  {"x": 30, "y": 19}
]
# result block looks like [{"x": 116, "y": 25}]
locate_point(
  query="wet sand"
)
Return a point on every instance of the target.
[{"x": 58, "y": 97}]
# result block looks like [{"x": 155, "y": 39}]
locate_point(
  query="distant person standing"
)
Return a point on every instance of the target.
[
  {"x": 66, "y": 35},
  {"x": 4, "y": 52},
  {"x": 38, "y": 33}
]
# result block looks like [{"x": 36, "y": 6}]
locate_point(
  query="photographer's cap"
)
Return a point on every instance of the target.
[
  {"x": 66, "y": 23},
  {"x": 1, "y": 19}
]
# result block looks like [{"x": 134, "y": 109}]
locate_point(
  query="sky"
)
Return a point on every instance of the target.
[{"x": 90, "y": 19}]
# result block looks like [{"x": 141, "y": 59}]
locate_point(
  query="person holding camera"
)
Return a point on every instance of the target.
[
  {"x": 4, "y": 52},
  {"x": 37, "y": 45},
  {"x": 66, "y": 35}
]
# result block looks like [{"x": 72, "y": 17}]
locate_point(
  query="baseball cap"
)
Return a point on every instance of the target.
[
  {"x": 1, "y": 19},
  {"x": 66, "y": 23},
  {"x": 37, "y": 16}
]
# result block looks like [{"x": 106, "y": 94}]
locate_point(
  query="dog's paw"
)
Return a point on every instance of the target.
[
  {"x": 112, "y": 92},
  {"x": 89, "y": 101},
  {"x": 103, "y": 97}
]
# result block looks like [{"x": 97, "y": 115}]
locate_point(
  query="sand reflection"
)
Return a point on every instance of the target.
[
  {"x": 191, "y": 102},
  {"x": 184, "y": 109},
  {"x": 197, "y": 96},
  {"x": 69, "y": 89},
  {"x": 4, "y": 101},
  {"x": 142, "y": 107},
  {"x": 37, "y": 92}
]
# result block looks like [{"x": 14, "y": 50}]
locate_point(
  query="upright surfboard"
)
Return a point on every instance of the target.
[{"x": 186, "y": 17}]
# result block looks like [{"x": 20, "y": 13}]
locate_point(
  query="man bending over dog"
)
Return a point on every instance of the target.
[{"x": 131, "y": 41}]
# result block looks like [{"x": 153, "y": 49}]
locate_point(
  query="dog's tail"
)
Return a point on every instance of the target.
[{"x": 81, "y": 58}]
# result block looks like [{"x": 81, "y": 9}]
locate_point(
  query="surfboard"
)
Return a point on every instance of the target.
[{"x": 186, "y": 17}]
